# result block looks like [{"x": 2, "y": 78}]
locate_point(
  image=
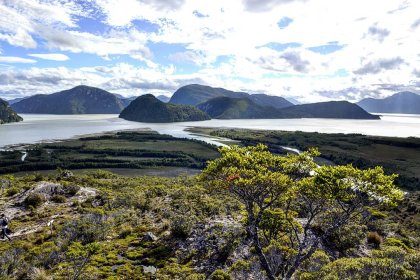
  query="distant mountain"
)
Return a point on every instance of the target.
[
  {"x": 15, "y": 100},
  {"x": 128, "y": 100},
  {"x": 78, "y": 100},
  {"x": 331, "y": 109},
  {"x": 243, "y": 108},
  {"x": 196, "y": 94},
  {"x": 147, "y": 108},
  {"x": 7, "y": 115},
  {"x": 237, "y": 108},
  {"x": 163, "y": 98},
  {"x": 400, "y": 103}
]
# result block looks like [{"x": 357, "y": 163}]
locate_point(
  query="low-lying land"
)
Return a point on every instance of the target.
[
  {"x": 121, "y": 150},
  {"x": 396, "y": 155}
]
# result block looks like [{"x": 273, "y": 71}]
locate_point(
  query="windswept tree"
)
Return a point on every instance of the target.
[{"x": 292, "y": 204}]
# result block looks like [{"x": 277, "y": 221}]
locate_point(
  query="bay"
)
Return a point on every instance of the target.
[{"x": 44, "y": 128}]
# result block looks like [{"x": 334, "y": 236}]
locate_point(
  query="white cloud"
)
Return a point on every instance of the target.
[
  {"x": 51, "y": 56},
  {"x": 14, "y": 59},
  {"x": 373, "y": 32}
]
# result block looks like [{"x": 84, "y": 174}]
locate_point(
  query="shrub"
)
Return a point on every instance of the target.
[
  {"x": 72, "y": 189},
  {"x": 391, "y": 241},
  {"x": 219, "y": 274},
  {"x": 12, "y": 191},
  {"x": 57, "y": 198},
  {"x": 34, "y": 199},
  {"x": 181, "y": 225},
  {"x": 375, "y": 239}
]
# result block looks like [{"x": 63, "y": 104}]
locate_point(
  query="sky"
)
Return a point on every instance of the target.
[{"x": 313, "y": 50}]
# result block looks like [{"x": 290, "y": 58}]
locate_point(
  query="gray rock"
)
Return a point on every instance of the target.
[
  {"x": 149, "y": 269},
  {"x": 149, "y": 236}
]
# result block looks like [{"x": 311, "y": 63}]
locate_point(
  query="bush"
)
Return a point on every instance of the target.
[
  {"x": 391, "y": 241},
  {"x": 181, "y": 225},
  {"x": 12, "y": 191},
  {"x": 375, "y": 239},
  {"x": 57, "y": 198},
  {"x": 72, "y": 189},
  {"x": 219, "y": 274},
  {"x": 34, "y": 199}
]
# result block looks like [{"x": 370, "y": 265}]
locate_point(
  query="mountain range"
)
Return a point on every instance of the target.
[
  {"x": 7, "y": 114},
  {"x": 400, "y": 103},
  {"x": 78, "y": 100},
  {"x": 147, "y": 108},
  {"x": 243, "y": 108},
  {"x": 211, "y": 102},
  {"x": 195, "y": 94}
]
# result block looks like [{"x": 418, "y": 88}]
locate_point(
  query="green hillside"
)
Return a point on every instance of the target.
[
  {"x": 7, "y": 114},
  {"x": 147, "y": 108},
  {"x": 78, "y": 100}
]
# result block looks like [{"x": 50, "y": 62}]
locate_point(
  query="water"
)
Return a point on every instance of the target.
[{"x": 42, "y": 128}]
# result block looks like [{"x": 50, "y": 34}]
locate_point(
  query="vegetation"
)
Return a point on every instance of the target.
[
  {"x": 7, "y": 114},
  {"x": 246, "y": 205},
  {"x": 395, "y": 155},
  {"x": 133, "y": 150},
  {"x": 148, "y": 108},
  {"x": 276, "y": 190}
]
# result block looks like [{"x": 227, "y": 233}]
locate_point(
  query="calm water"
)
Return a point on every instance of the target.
[{"x": 38, "y": 128}]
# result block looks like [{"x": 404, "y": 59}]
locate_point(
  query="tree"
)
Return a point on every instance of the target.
[{"x": 292, "y": 204}]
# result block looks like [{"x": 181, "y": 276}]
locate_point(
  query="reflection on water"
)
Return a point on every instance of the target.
[{"x": 37, "y": 128}]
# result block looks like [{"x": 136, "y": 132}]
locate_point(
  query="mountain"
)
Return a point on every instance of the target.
[
  {"x": 237, "y": 108},
  {"x": 128, "y": 100},
  {"x": 196, "y": 94},
  {"x": 269, "y": 100},
  {"x": 243, "y": 108},
  {"x": 16, "y": 100},
  {"x": 78, "y": 100},
  {"x": 163, "y": 98},
  {"x": 7, "y": 114},
  {"x": 331, "y": 109},
  {"x": 402, "y": 103},
  {"x": 147, "y": 108}
]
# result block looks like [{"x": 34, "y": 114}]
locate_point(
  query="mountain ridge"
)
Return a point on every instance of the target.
[
  {"x": 405, "y": 102},
  {"x": 195, "y": 94},
  {"x": 243, "y": 108},
  {"x": 77, "y": 100}
]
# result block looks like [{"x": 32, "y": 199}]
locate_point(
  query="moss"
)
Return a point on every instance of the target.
[{"x": 219, "y": 274}]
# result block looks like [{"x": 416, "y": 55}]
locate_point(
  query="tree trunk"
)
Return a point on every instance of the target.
[{"x": 253, "y": 232}]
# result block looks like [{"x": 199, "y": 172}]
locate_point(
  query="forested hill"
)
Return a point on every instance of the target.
[
  {"x": 147, "y": 108},
  {"x": 7, "y": 114}
]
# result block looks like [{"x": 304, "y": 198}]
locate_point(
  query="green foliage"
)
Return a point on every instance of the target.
[
  {"x": 34, "y": 200},
  {"x": 58, "y": 198},
  {"x": 392, "y": 241},
  {"x": 219, "y": 274},
  {"x": 12, "y": 191}
]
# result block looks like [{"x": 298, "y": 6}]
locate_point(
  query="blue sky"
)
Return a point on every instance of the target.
[{"x": 309, "y": 50}]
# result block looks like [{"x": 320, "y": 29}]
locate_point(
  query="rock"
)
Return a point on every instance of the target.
[
  {"x": 48, "y": 189},
  {"x": 4, "y": 183},
  {"x": 149, "y": 236},
  {"x": 149, "y": 269},
  {"x": 65, "y": 174}
]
